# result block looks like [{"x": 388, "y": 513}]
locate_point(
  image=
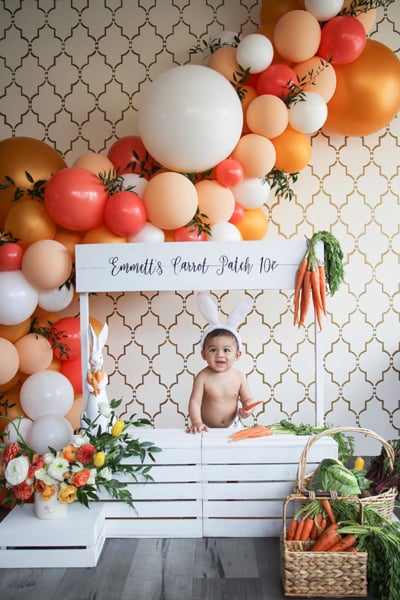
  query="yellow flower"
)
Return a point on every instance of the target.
[
  {"x": 99, "y": 459},
  {"x": 67, "y": 494},
  {"x": 117, "y": 428}
]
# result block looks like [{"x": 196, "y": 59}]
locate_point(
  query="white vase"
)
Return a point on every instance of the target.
[{"x": 50, "y": 508}]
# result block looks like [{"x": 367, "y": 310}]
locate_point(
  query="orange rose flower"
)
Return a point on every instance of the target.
[
  {"x": 81, "y": 477},
  {"x": 69, "y": 453},
  {"x": 46, "y": 491},
  {"x": 67, "y": 494}
]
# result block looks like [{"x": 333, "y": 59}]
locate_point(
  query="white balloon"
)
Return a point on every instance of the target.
[
  {"x": 46, "y": 392},
  {"x": 56, "y": 299},
  {"x": 252, "y": 193},
  {"x": 225, "y": 232},
  {"x": 49, "y": 431},
  {"x": 322, "y": 9},
  {"x": 18, "y": 298},
  {"x": 134, "y": 181},
  {"x": 148, "y": 233},
  {"x": 22, "y": 425},
  {"x": 254, "y": 52},
  {"x": 310, "y": 114},
  {"x": 190, "y": 119}
]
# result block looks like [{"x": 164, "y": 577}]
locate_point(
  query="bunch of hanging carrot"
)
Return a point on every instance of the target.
[
  {"x": 314, "y": 278},
  {"x": 320, "y": 527}
]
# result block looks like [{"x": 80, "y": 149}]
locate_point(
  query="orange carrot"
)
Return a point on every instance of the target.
[
  {"x": 344, "y": 543},
  {"x": 308, "y": 525},
  {"x": 322, "y": 287},
  {"x": 316, "y": 296},
  {"x": 297, "y": 289},
  {"x": 253, "y": 405},
  {"x": 292, "y": 529},
  {"x": 250, "y": 432},
  {"x": 299, "y": 530},
  {"x": 328, "y": 509},
  {"x": 351, "y": 549},
  {"x": 316, "y": 529},
  {"x": 305, "y": 297},
  {"x": 327, "y": 539}
]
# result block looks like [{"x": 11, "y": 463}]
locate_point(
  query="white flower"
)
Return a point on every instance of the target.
[
  {"x": 57, "y": 468},
  {"x": 92, "y": 478},
  {"x": 17, "y": 470},
  {"x": 105, "y": 409},
  {"x": 106, "y": 473},
  {"x": 44, "y": 476},
  {"x": 79, "y": 440}
]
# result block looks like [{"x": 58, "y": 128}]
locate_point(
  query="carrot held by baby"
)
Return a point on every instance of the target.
[{"x": 251, "y": 406}]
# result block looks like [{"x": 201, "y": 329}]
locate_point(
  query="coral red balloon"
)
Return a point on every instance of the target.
[
  {"x": 125, "y": 213},
  {"x": 276, "y": 80},
  {"x": 229, "y": 172},
  {"x": 343, "y": 39},
  {"x": 65, "y": 337},
  {"x": 10, "y": 256},
  {"x": 237, "y": 214},
  {"x": 189, "y": 233},
  {"x": 129, "y": 155}
]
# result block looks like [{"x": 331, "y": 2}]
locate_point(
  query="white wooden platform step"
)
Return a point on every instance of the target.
[{"x": 203, "y": 486}]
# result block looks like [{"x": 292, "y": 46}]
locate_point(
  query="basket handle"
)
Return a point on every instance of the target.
[{"x": 303, "y": 458}]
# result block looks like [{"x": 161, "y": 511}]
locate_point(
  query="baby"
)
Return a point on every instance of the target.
[{"x": 218, "y": 387}]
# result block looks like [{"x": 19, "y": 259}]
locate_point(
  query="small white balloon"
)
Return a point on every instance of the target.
[
  {"x": 19, "y": 426},
  {"x": 224, "y": 232},
  {"x": 149, "y": 234},
  {"x": 56, "y": 299},
  {"x": 46, "y": 392},
  {"x": 308, "y": 115},
  {"x": 322, "y": 9},
  {"x": 19, "y": 298},
  {"x": 252, "y": 193},
  {"x": 254, "y": 52},
  {"x": 49, "y": 431},
  {"x": 136, "y": 182}
]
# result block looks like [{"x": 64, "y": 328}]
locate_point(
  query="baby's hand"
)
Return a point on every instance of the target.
[
  {"x": 197, "y": 428},
  {"x": 243, "y": 413}
]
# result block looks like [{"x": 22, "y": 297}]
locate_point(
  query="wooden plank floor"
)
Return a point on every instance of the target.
[{"x": 159, "y": 569}]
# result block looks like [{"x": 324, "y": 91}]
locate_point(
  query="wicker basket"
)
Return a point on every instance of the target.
[
  {"x": 383, "y": 502},
  {"x": 320, "y": 574}
]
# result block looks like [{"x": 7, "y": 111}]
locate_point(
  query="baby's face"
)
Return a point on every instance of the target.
[{"x": 220, "y": 352}]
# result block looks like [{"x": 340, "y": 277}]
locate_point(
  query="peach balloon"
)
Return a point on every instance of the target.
[
  {"x": 297, "y": 35},
  {"x": 74, "y": 415},
  {"x": 254, "y": 224},
  {"x": 247, "y": 96},
  {"x": 29, "y": 222},
  {"x": 55, "y": 364},
  {"x": 367, "y": 18},
  {"x": 367, "y": 95},
  {"x": 293, "y": 151},
  {"x": 256, "y": 154},
  {"x": 46, "y": 264},
  {"x": 215, "y": 201},
  {"x": 267, "y": 29},
  {"x": 9, "y": 362},
  {"x": 272, "y": 10},
  {"x": 102, "y": 235},
  {"x": 69, "y": 239},
  {"x": 13, "y": 332},
  {"x": 35, "y": 353},
  {"x": 224, "y": 61},
  {"x": 323, "y": 79},
  {"x": 267, "y": 115},
  {"x": 10, "y": 407},
  {"x": 171, "y": 200},
  {"x": 96, "y": 163}
]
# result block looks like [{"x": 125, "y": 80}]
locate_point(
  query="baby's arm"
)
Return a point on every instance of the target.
[
  {"x": 246, "y": 398},
  {"x": 195, "y": 402}
]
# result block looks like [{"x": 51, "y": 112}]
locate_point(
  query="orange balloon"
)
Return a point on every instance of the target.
[
  {"x": 9, "y": 362},
  {"x": 74, "y": 415},
  {"x": 272, "y": 10},
  {"x": 21, "y": 155},
  {"x": 254, "y": 224},
  {"x": 170, "y": 200},
  {"x": 293, "y": 151},
  {"x": 55, "y": 364},
  {"x": 267, "y": 115},
  {"x": 10, "y": 407},
  {"x": 35, "y": 353},
  {"x": 29, "y": 221},
  {"x": 102, "y": 235},
  {"x": 44, "y": 318},
  {"x": 248, "y": 94},
  {"x": 323, "y": 81},
  {"x": 224, "y": 61},
  {"x": 10, "y": 384},
  {"x": 13, "y": 332},
  {"x": 256, "y": 154},
  {"x": 46, "y": 264},
  {"x": 367, "y": 95},
  {"x": 297, "y": 35},
  {"x": 215, "y": 201},
  {"x": 69, "y": 239},
  {"x": 96, "y": 163}
]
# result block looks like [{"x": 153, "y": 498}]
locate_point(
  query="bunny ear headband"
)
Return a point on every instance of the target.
[{"x": 209, "y": 311}]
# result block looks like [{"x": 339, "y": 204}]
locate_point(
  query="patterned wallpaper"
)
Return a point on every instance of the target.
[{"x": 72, "y": 73}]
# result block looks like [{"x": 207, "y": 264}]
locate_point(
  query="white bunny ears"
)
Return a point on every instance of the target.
[{"x": 209, "y": 311}]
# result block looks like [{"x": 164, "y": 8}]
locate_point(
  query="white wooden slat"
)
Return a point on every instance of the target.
[
  {"x": 249, "y": 509},
  {"x": 154, "y": 509},
  {"x": 250, "y": 472},
  {"x": 154, "y": 528},
  {"x": 249, "y": 490},
  {"x": 167, "y": 473},
  {"x": 162, "y": 491},
  {"x": 242, "y": 528}
]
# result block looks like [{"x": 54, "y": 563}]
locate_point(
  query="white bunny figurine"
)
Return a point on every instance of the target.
[{"x": 96, "y": 378}]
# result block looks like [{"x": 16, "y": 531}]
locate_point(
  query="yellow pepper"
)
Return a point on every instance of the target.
[
  {"x": 117, "y": 428},
  {"x": 99, "y": 459},
  {"x": 359, "y": 463}
]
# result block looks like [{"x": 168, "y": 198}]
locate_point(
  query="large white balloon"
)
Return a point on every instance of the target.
[
  {"x": 56, "y": 299},
  {"x": 49, "y": 431},
  {"x": 46, "y": 392},
  {"x": 190, "y": 118},
  {"x": 252, "y": 193},
  {"x": 254, "y": 52},
  {"x": 19, "y": 426},
  {"x": 18, "y": 298},
  {"x": 308, "y": 115},
  {"x": 323, "y": 10}
]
